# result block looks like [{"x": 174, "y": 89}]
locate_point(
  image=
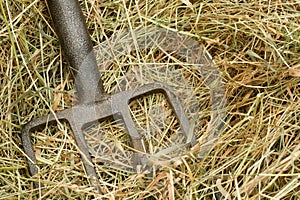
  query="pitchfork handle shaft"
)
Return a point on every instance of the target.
[{"x": 75, "y": 40}]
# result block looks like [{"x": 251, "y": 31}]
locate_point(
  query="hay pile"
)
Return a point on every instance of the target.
[{"x": 255, "y": 45}]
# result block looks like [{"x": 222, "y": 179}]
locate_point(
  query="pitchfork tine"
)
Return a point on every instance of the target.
[
  {"x": 85, "y": 155},
  {"x": 27, "y": 145}
]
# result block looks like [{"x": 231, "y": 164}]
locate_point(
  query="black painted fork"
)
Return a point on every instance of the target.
[{"x": 93, "y": 103}]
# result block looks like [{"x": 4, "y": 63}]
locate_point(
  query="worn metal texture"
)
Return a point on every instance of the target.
[
  {"x": 73, "y": 35},
  {"x": 93, "y": 103}
]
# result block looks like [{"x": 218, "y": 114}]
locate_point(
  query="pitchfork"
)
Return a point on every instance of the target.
[{"x": 93, "y": 103}]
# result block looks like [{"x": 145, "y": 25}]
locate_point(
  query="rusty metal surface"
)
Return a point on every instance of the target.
[{"x": 93, "y": 103}]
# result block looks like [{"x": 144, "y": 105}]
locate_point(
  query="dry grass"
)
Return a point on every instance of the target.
[{"x": 255, "y": 44}]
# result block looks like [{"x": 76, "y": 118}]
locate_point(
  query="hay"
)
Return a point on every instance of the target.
[{"x": 255, "y": 44}]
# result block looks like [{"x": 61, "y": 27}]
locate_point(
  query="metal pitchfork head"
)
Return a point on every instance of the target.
[{"x": 93, "y": 103}]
